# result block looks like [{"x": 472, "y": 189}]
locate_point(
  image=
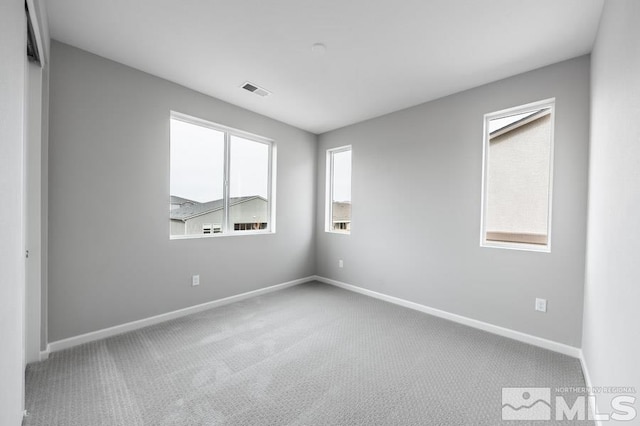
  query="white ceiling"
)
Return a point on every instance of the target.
[{"x": 381, "y": 56}]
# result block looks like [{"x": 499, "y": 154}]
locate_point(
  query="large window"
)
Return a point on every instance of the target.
[
  {"x": 517, "y": 181},
  {"x": 219, "y": 178},
  {"x": 338, "y": 215}
]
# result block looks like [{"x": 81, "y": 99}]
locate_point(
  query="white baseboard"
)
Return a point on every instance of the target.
[
  {"x": 44, "y": 355},
  {"x": 135, "y": 325},
  {"x": 491, "y": 328},
  {"x": 585, "y": 370},
  {"x": 589, "y": 384}
]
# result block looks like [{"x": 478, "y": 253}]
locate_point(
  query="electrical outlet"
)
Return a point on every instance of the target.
[
  {"x": 195, "y": 280},
  {"x": 340, "y": 263},
  {"x": 541, "y": 305}
]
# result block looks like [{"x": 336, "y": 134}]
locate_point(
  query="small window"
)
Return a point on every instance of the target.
[
  {"x": 249, "y": 226},
  {"x": 338, "y": 215},
  {"x": 211, "y": 228},
  {"x": 218, "y": 177},
  {"x": 517, "y": 181}
]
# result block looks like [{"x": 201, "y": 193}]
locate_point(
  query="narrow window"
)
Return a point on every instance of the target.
[
  {"x": 218, "y": 177},
  {"x": 517, "y": 181},
  {"x": 338, "y": 215}
]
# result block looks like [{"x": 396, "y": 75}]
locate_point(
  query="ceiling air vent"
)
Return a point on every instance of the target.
[{"x": 254, "y": 88}]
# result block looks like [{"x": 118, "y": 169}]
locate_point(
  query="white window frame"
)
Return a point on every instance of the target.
[
  {"x": 533, "y": 106},
  {"x": 329, "y": 189},
  {"x": 227, "y": 227}
]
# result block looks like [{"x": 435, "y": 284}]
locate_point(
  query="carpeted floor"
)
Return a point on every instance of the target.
[{"x": 308, "y": 355}]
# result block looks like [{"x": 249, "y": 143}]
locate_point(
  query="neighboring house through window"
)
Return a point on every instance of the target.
[
  {"x": 219, "y": 177},
  {"x": 517, "y": 181},
  {"x": 338, "y": 200},
  {"x": 211, "y": 228}
]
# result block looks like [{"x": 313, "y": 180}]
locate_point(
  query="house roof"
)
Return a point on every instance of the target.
[
  {"x": 192, "y": 209},
  {"x": 519, "y": 123},
  {"x": 179, "y": 200}
]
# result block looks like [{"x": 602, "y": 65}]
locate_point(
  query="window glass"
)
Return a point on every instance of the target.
[
  {"x": 249, "y": 177},
  {"x": 518, "y": 178},
  {"x": 197, "y": 178},
  {"x": 339, "y": 190},
  {"x": 205, "y": 156}
]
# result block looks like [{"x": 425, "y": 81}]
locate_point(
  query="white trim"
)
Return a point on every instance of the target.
[
  {"x": 226, "y": 188},
  {"x": 589, "y": 385},
  {"x": 516, "y": 246},
  {"x": 135, "y": 325},
  {"x": 273, "y": 166},
  {"x": 501, "y": 331},
  {"x": 544, "y": 103},
  {"x": 491, "y": 328},
  {"x": 220, "y": 234},
  {"x": 44, "y": 355},
  {"x": 328, "y": 217}
]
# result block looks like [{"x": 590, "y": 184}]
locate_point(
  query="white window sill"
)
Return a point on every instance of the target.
[
  {"x": 219, "y": 235},
  {"x": 516, "y": 246}
]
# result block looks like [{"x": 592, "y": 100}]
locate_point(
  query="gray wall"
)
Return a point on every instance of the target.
[
  {"x": 110, "y": 257},
  {"x": 611, "y": 314},
  {"x": 13, "y": 68},
  {"x": 416, "y": 208}
]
